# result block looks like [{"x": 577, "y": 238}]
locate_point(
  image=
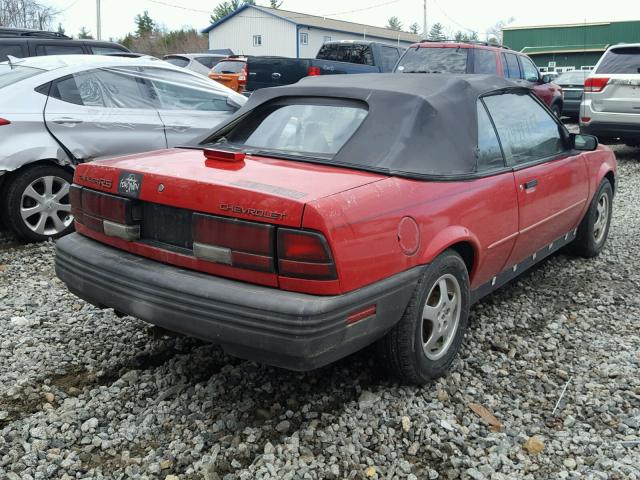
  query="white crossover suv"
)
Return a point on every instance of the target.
[{"x": 610, "y": 106}]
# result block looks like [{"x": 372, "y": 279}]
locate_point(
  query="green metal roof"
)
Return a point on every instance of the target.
[
  {"x": 571, "y": 38},
  {"x": 591, "y": 47}
]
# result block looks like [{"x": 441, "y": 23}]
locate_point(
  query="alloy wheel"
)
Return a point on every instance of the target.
[
  {"x": 44, "y": 207},
  {"x": 441, "y": 316},
  {"x": 602, "y": 218}
]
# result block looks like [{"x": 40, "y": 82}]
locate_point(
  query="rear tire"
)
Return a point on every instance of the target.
[
  {"x": 557, "y": 111},
  {"x": 594, "y": 228},
  {"x": 37, "y": 204},
  {"x": 423, "y": 344}
]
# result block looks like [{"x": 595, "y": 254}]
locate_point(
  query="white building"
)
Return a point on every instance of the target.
[{"x": 255, "y": 30}]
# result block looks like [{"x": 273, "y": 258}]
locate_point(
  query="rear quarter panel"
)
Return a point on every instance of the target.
[
  {"x": 600, "y": 162},
  {"x": 362, "y": 225}
]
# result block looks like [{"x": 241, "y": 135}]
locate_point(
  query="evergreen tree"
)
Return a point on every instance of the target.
[
  {"x": 275, "y": 4},
  {"x": 461, "y": 36},
  {"x": 414, "y": 28},
  {"x": 437, "y": 32},
  {"x": 145, "y": 24},
  {"x": 394, "y": 24},
  {"x": 225, "y": 8},
  {"x": 85, "y": 34}
]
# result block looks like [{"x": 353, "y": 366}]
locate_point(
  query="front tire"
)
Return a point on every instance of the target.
[
  {"x": 423, "y": 344},
  {"x": 37, "y": 205},
  {"x": 594, "y": 228}
]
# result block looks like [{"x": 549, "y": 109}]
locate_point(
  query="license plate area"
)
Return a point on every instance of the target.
[{"x": 167, "y": 225}]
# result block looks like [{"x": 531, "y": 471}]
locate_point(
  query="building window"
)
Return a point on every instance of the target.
[
  {"x": 257, "y": 40},
  {"x": 326, "y": 39},
  {"x": 304, "y": 38},
  {"x": 587, "y": 67}
]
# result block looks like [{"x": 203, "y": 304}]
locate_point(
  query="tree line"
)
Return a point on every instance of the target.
[{"x": 439, "y": 32}]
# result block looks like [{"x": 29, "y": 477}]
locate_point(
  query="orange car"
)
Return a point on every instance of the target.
[{"x": 231, "y": 72}]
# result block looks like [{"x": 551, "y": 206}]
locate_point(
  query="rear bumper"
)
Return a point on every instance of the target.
[
  {"x": 630, "y": 131},
  {"x": 286, "y": 329}
]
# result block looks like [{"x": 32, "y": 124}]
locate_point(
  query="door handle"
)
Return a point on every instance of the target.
[
  {"x": 66, "y": 121},
  {"x": 530, "y": 184}
]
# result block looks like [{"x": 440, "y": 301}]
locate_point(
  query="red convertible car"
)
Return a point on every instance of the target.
[{"x": 337, "y": 212}]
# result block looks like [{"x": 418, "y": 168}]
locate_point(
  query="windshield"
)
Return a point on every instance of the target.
[
  {"x": 621, "y": 60},
  {"x": 300, "y": 129},
  {"x": 9, "y": 76},
  {"x": 571, "y": 78},
  {"x": 229, "y": 67},
  {"x": 434, "y": 60}
]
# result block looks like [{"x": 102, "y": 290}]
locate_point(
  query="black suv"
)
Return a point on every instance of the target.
[{"x": 23, "y": 43}]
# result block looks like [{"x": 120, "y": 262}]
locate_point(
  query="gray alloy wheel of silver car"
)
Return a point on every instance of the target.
[{"x": 36, "y": 205}]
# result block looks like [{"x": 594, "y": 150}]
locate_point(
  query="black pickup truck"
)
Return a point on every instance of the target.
[{"x": 332, "y": 58}]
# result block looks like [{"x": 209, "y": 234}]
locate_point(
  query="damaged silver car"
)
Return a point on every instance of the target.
[{"x": 59, "y": 111}]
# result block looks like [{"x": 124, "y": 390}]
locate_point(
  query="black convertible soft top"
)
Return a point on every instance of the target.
[{"x": 418, "y": 125}]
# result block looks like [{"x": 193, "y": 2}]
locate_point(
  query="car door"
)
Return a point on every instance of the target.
[
  {"x": 189, "y": 106},
  {"x": 103, "y": 113},
  {"x": 552, "y": 181},
  {"x": 531, "y": 79}
]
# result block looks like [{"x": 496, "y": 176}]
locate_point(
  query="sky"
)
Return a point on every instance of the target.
[{"x": 465, "y": 15}]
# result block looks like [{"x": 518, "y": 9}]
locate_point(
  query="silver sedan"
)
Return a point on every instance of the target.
[{"x": 58, "y": 111}]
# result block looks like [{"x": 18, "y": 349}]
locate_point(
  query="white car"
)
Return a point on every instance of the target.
[
  {"x": 59, "y": 111},
  {"x": 610, "y": 106},
  {"x": 200, "y": 63}
]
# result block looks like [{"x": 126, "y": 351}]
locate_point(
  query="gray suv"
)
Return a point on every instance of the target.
[{"x": 610, "y": 106}]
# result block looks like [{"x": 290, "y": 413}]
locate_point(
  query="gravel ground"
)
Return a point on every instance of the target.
[{"x": 85, "y": 394}]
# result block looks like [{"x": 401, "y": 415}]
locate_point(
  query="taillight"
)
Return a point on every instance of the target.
[
  {"x": 234, "y": 242},
  {"x": 105, "y": 213},
  {"x": 242, "y": 76},
  {"x": 595, "y": 84},
  {"x": 313, "y": 71},
  {"x": 4, "y": 121},
  {"x": 109, "y": 207},
  {"x": 303, "y": 254}
]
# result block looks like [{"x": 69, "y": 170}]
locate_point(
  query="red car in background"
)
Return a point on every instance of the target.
[
  {"x": 325, "y": 216},
  {"x": 481, "y": 58}
]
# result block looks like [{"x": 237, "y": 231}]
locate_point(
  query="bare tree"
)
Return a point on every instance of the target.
[
  {"x": 494, "y": 33},
  {"x": 26, "y": 14}
]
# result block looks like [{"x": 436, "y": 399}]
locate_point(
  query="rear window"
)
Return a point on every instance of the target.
[
  {"x": 308, "y": 129},
  {"x": 208, "y": 61},
  {"x": 434, "y": 60},
  {"x": 360, "y": 54},
  {"x": 177, "y": 61},
  {"x": 229, "y": 67},
  {"x": 571, "y": 78},
  {"x": 17, "y": 73},
  {"x": 620, "y": 60}
]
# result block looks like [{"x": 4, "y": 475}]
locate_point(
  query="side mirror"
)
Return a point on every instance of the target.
[
  {"x": 581, "y": 142},
  {"x": 546, "y": 79}
]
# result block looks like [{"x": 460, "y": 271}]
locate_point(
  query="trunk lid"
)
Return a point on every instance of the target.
[
  {"x": 258, "y": 189},
  {"x": 274, "y": 71}
]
